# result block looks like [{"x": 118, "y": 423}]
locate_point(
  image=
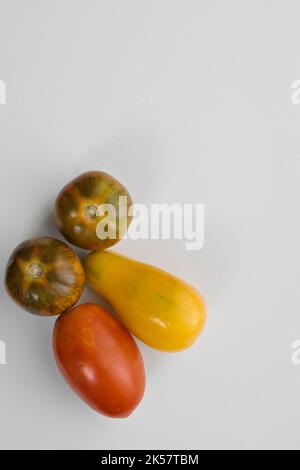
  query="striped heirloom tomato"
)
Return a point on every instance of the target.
[
  {"x": 44, "y": 276},
  {"x": 78, "y": 215}
]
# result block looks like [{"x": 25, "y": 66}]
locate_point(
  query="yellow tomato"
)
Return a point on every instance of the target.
[{"x": 159, "y": 309}]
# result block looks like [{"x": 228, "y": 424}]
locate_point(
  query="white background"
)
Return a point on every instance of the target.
[{"x": 183, "y": 101}]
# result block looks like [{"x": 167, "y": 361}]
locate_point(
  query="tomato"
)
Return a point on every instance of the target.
[
  {"x": 44, "y": 276},
  {"x": 100, "y": 360},
  {"x": 163, "y": 311},
  {"x": 77, "y": 214}
]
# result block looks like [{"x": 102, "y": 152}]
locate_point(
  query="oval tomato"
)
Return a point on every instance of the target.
[
  {"x": 78, "y": 216},
  {"x": 44, "y": 276},
  {"x": 100, "y": 360}
]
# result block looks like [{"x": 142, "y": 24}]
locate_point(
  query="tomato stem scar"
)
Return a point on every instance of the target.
[
  {"x": 35, "y": 271},
  {"x": 91, "y": 211}
]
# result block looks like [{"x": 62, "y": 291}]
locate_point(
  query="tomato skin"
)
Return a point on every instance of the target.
[
  {"x": 161, "y": 310},
  {"x": 76, "y": 209},
  {"x": 100, "y": 360},
  {"x": 44, "y": 276}
]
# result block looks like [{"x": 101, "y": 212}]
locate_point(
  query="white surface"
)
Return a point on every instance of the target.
[{"x": 183, "y": 101}]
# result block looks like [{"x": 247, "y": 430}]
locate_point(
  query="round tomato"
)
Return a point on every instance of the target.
[
  {"x": 100, "y": 360},
  {"x": 78, "y": 215},
  {"x": 45, "y": 276}
]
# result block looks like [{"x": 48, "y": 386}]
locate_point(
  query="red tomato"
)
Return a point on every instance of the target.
[{"x": 100, "y": 360}]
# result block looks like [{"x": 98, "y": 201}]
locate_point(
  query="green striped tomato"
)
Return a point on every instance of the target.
[
  {"x": 44, "y": 276},
  {"x": 77, "y": 214}
]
